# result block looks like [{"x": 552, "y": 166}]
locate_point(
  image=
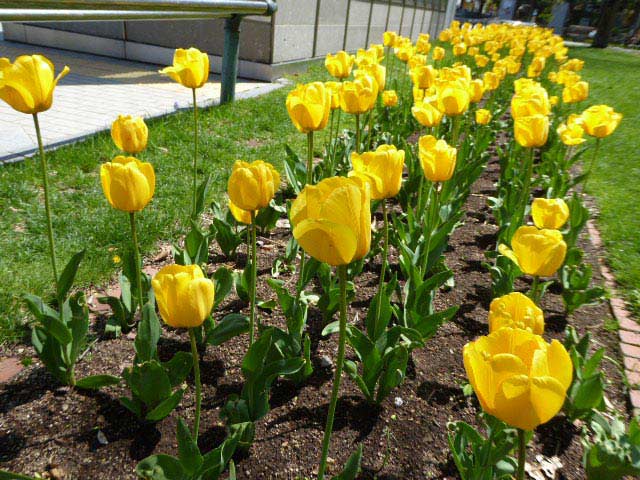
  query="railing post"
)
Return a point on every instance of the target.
[{"x": 230, "y": 58}]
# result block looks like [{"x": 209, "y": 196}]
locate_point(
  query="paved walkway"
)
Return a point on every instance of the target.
[{"x": 92, "y": 95}]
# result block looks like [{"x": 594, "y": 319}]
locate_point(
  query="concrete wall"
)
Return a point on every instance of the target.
[{"x": 295, "y": 21}]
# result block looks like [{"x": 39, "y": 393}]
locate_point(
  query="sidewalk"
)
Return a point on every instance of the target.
[{"x": 94, "y": 93}]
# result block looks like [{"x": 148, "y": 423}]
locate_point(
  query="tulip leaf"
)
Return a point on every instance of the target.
[
  {"x": 160, "y": 467},
  {"x": 4, "y": 475},
  {"x": 165, "y": 407},
  {"x": 352, "y": 467},
  {"x": 230, "y": 326},
  {"x": 148, "y": 335},
  {"x": 223, "y": 282},
  {"x": 69, "y": 274},
  {"x": 95, "y": 382},
  {"x": 133, "y": 405},
  {"x": 188, "y": 451},
  {"x": 178, "y": 367},
  {"x": 202, "y": 193}
]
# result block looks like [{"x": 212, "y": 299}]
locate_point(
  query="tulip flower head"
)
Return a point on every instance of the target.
[
  {"x": 576, "y": 92},
  {"x": 438, "y": 53},
  {"x": 483, "y": 116},
  {"x": 426, "y": 112},
  {"x": 240, "y": 215},
  {"x": 518, "y": 377},
  {"x": 515, "y": 310},
  {"x": 184, "y": 295},
  {"x": 27, "y": 84},
  {"x": 128, "y": 183},
  {"x": 309, "y": 106},
  {"x": 453, "y": 99},
  {"x": 438, "y": 159},
  {"x": 531, "y": 131},
  {"x": 390, "y": 98},
  {"x": 130, "y": 134},
  {"x": 359, "y": 96},
  {"x": 252, "y": 185},
  {"x": 190, "y": 68},
  {"x": 332, "y": 220},
  {"x": 537, "y": 252},
  {"x": 571, "y": 133},
  {"x": 550, "y": 213},
  {"x": 600, "y": 121},
  {"x": 340, "y": 64},
  {"x": 381, "y": 169}
]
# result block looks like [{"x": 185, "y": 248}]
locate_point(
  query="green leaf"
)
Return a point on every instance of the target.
[
  {"x": 352, "y": 467},
  {"x": 69, "y": 274},
  {"x": 202, "y": 193},
  {"x": 4, "y": 475},
  {"x": 223, "y": 281},
  {"x": 95, "y": 382},
  {"x": 188, "y": 451},
  {"x": 146, "y": 342},
  {"x": 160, "y": 467},
  {"x": 165, "y": 407},
  {"x": 178, "y": 367},
  {"x": 150, "y": 383},
  {"x": 230, "y": 326},
  {"x": 133, "y": 405}
]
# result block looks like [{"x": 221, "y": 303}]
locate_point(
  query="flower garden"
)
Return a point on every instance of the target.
[{"x": 411, "y": 296}]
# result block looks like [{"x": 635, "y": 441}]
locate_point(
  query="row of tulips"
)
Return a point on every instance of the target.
[{"x": 453, "y": 95}]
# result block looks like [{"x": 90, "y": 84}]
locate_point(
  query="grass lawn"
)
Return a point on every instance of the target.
[
  {"x": 614, "y": 79},
  {"x": 250, "y": 129}
]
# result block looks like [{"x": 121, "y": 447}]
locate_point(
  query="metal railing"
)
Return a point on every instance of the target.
[{"x": 110, "y": 10}]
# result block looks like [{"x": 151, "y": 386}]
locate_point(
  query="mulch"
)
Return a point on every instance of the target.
[{"x": 72, "y": 434}]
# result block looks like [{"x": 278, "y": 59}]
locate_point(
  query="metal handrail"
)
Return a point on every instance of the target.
[{"x": 108, "y": 10}]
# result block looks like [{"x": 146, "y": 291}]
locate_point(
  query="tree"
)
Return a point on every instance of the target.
[{"x": 606, "y": 21}]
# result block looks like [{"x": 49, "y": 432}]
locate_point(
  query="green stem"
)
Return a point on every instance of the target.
[
  {"x": 136, "y": 252},
  {"x": 333, "y": 154},
  {"x": 455, "y": 131},
  {"x": 196, "y": 375},
  {"x": 522, "y": 454},
  {"x": 195, "y": 155},
  {"x": 534, "y": 293},
  {"x": 385, "y": 251},
  {"x": 309, "y": 178},
  {"x": 593, "y": 162},
  {"x": 47, "y": 203},
  {"x": 370, "y": 139},
  {"x": 433, "y": 221},
  {"x": 357, "y": 133},
  {"x": 254, "y": 278},
  {"x": 342, "y": 273}
]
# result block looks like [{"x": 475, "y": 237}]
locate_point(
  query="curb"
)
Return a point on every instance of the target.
[{"x": 629, "y": 329}]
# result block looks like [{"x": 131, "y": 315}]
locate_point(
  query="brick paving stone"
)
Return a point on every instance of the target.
[
  {"x": 629, "y": 324},
  {"x": 9, "y": 368},
  {"x": 635, "y": 398},
  {"x": 632, "y": 338},
  {"x": 630, "y": 350},
  {"x": 632, "y": 377},
  {"x": 632, "y": 364},
  {"x": 94, "y": 93}
]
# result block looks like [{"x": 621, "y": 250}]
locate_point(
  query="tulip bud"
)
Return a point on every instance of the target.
[
  {"x": 332, "y": 220},
  {"x": 537, "y": 252},
  {"x": 27, "y": 85},
  {"x": 438, "y": 159},
  {"x": 515, "y": 310},
  {"x": 309, "y": 106},
  {"x": 190, "y": 68},
  {"x": 252, "y": 185},
  {"x": 184, "y": 296},
  {"x": 130, "y": 134},
  {"x": 550, "y": 213},
  {"x": 531, "y": 131},
  {"x": 483, "y": 116},
  {"x": 518, "y": 377},
  {"x": 128, "y": 183}
]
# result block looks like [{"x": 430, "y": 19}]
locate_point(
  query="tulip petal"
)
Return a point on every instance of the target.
[
  {"x": 547, "y": 397},
  {"x": 326, "y": 241}
]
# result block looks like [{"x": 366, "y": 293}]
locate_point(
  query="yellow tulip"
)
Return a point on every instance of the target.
[
  {"x": 389, "y": 39},
  {"x": 359, "y": 96},
  {"x": 130, "y": 134},
  {"x": 530, "y": 101},
  {"x": 550, "y": 213},
  {"x": 537, "y": 252},
  {"x": 241, "y": 216},
  {"x": 600, "y": 120},
  {"x": 27, "y": 85},
  {"x": 453, "y": 99},
  {"x": 334, "y": 89},
  {"x": 375, "y": 70},
  {"x": 476, "y": 90},
  {"x": 426, "y": 112},
  {"x": 438, "y": 53},
  {"x": 390, "y": 98},
  {"x": 531, "y": 131},
  {"x": 309, "y": 106},
  {"x": 424, "y": 76},
  {"x": 553, "y": 100},
  {"x": 404, "y": 52},
  {"x": 332, "y": 220},
  {"x": 483, "y": 116},
  {"x": 367, "y": 57},
  {"x": 423, "y": 44},
  {"x": 577, "y": 92},
  {"x": 190, "y": 68},
  {"x": 490, "y": 81},
  {"x": 445, "y": 35},
  {"x": 437, "y": 158},
  {"x": 340, "y": 64},
  {"x": 459, "y": 49},
  {"x": 418, "y": 94},
  {"x": 515, "y": 310},
  {"x": 473, "y": 51},
  {"x": 481, "y": 60},
  {"x": 518, "y": 377},
  {"x": 574, "y": 65},
  {"x": 382, "y": 169},
  {"x": 571, "y": 132},
  {"x": 128, "y": 183},
  {"x": 185, "y": 297},
  {"x": 252, "y": 185}
]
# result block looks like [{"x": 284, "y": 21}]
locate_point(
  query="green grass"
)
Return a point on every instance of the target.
[
  {"x": 250, "y": 129},
  {"x": 614, "y": 78}
]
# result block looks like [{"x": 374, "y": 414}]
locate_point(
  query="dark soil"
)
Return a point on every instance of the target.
[{"x": 47, "y": 428}]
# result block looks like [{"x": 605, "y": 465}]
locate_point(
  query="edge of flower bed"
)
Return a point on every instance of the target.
[{"x": 628, "y": 328}]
